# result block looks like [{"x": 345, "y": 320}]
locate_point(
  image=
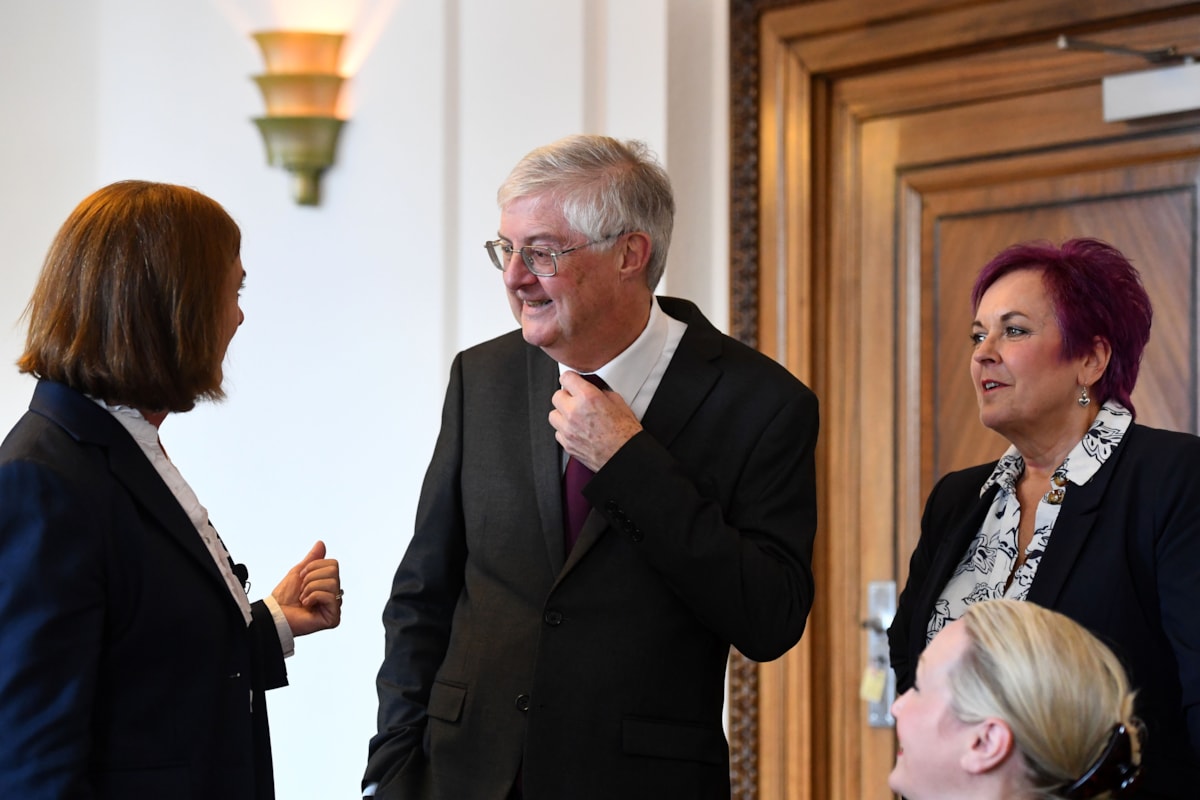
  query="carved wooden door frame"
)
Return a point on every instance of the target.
[{"x": 782, "y": 124}]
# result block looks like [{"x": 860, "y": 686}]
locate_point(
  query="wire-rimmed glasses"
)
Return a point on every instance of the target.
[{"x": 541, "y": 261}]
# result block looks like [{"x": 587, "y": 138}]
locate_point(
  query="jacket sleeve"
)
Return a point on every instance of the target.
[
  {"x": 1177, "y": 556},
  {"x": 270, "y": 668},
  {"x": 731, "y": 534},
  {"x": 419, "y": 612},
  {"x": 953, "y": 511},
  {"x": 904, "y": 624},
  {"x": 51, "y": 623}
]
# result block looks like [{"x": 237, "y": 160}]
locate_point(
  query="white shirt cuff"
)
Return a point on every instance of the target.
[{"x": 287, "y": 642}]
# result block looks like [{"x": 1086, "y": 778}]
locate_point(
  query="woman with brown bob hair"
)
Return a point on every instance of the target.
[
  {"x": 134, "y": 664},
  {"x": 129, "y": 304}
]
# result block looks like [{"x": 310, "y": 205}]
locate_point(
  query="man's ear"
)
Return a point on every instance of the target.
[
  {"x": 990, "y": 746},
  {"x": 635, "y": 249}
]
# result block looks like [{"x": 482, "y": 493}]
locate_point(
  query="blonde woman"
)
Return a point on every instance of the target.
[{"x": 1015, "y": 701}]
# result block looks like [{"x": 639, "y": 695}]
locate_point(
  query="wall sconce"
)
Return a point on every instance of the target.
[{"x": 300, "y": 89}]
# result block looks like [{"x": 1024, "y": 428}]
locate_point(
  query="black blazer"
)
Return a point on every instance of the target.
[
  {"x": 600, "y": 675},
  {"x": 1124, "y": 561},
  {"x": 127, "y": 669}
]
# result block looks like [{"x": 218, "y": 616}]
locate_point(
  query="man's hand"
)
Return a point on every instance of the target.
[
  {"x": 310, "y": 595},
  {"x": 589, "y": 423}
]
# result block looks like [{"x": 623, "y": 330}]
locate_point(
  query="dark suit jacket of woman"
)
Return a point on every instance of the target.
[
  {"x": 600, "y": 674},
  {"x": 1124, "y": 561},
  {"x": 128, "y": 670}
]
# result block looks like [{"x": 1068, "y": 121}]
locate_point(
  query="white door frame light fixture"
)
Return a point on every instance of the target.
[{"x": 1170, "y": 89}]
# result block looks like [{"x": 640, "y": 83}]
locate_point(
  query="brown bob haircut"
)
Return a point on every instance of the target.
[{"x": 129, "y": 305}]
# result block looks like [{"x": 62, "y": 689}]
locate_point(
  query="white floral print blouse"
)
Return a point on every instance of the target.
[{"x": 984, "y": 571}]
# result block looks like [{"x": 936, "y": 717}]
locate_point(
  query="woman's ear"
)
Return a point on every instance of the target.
[
  {"x": 1095, "y": 362},
  {"x": 991, "y": 745}
]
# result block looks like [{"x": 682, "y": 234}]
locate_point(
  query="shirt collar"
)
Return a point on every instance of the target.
[
  {"x": 143, "y": 432},
  {"x": 626, "y": 373},
  {"x": 1085, "y": 458}
]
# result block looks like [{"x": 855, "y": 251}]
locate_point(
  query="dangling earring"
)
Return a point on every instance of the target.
[{"x": 1084, "y": 401}]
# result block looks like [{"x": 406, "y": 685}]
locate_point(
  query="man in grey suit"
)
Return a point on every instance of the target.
[{"x": 528, "y": 659}]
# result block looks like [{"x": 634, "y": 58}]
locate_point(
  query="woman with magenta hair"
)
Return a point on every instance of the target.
[{"x": 1087, "y": 513}]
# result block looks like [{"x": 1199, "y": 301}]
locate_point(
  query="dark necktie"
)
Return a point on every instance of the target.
[{"x": 575, "y": 477}]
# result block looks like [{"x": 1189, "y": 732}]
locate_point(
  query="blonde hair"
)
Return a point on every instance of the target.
[{"x": 1060, "y": 690}]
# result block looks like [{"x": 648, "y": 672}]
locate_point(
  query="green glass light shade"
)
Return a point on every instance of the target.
[{"x": 303, "y": 146}]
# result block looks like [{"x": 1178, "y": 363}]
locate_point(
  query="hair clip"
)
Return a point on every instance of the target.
[{"x": 1114, "y": 771}]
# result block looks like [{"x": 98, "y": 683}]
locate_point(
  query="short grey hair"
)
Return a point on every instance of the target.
[{"x": 603, "y": 187}]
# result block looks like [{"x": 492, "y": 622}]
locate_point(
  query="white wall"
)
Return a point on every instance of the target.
[{"x": 354, "y": 309}]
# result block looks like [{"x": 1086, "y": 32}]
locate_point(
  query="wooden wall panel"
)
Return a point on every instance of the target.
[{"x": 1153, "y": 226}]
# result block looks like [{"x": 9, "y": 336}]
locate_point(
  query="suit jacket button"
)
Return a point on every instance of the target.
[
  {"x": 553, "y": 618},
  {"x": 522, "y": 702}
]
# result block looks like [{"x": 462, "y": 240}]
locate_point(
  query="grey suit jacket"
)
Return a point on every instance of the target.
[{"x": 601, "y": 675}]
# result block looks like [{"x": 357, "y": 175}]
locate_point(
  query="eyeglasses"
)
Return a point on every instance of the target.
[{"x": 541, "y": 261}]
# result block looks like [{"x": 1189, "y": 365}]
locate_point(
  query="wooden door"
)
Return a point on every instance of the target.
[{"x": 883, "y": 152}]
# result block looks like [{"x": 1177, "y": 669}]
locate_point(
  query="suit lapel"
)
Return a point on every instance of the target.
[
  {"x": 1076, "y": 519},
  {"x": 88, "y": 422},
  {"x": 690, "y": 376},
  {"x": 546, "y": 455},
  {"x": 688, "y": 380},
  {"x": 139, "y": 476}
]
